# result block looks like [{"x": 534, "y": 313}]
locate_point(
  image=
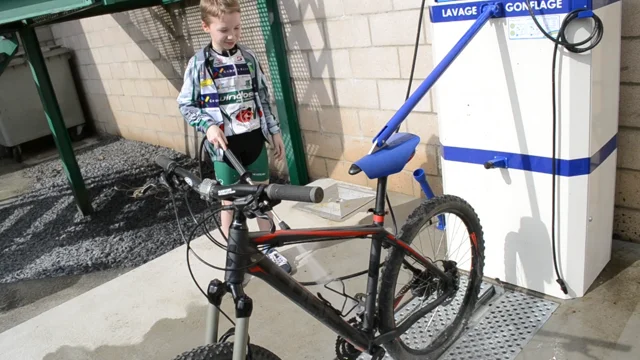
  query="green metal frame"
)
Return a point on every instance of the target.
[
  {"x": 54, "y": 117},
  {"x": 18, "y": 10},
  {"x": 283, "y": 91}
]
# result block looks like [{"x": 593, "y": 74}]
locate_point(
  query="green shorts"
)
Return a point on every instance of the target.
[{"x": 259, "y": 168}]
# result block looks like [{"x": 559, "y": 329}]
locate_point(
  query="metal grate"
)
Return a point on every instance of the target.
[
  {"x": 505, "y": 330},
  {"x": 500, "y": 333}
]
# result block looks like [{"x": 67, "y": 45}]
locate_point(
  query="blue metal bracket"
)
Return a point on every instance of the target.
[
  {"x": 585, "y": 14},
  {"x": 497, "y": 162},
  {"x": 491, "y": 9},
  {"x": 421, "y": 178}
]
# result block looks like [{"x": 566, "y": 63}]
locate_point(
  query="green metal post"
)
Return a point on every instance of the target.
[
  {"x": 54, "y": 117},
  {"x": 283, "y": 92}
]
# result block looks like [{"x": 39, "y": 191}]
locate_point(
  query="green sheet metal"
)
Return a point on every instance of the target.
[
  {"x": 283, "y": 92},
  {"x": 18, "y": 10},
  {"x": 8, "y": 48}
]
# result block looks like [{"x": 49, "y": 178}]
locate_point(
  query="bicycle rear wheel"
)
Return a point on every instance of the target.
[{"x": 406, "y": 286}]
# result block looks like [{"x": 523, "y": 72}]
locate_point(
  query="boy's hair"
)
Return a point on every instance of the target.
[{"x": 217, "y": 8}]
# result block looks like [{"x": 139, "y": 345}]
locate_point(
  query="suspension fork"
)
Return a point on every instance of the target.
[{"x": 238, "y": 257}]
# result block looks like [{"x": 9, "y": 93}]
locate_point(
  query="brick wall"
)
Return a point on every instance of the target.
[
  {"x": 627, "y": 214},
  {"x": 131, "y": 65},
  {"x": 350, "y": 62}
]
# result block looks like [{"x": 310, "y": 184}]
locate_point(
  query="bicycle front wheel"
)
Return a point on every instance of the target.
[
  {"x": 224, "y": 351},
  {"x": 447, "y": 231}
]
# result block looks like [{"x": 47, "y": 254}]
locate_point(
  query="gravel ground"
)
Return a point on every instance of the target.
[{"x": 43, "y": 235}]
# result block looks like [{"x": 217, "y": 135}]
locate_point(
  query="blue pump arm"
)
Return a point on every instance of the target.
[{"x": 489, "y": 10}]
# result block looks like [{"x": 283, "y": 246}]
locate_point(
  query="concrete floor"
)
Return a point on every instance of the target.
[{"x": 155, "y": 311}]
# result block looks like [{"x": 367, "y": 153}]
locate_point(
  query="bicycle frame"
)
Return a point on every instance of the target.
[
  {"x": 244, "y": 241},
  {"x": 239, "y": 238}
]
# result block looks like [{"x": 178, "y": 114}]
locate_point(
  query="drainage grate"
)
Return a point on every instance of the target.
[
  {"x": 505, "y": 330},
  {"x": 499, "y": 333},
  {"x": 420, "y": 334}
]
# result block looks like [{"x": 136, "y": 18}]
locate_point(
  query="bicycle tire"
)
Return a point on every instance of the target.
[
  {"x": 421, "y": 214},
  {"x": 224, "y": 351}
]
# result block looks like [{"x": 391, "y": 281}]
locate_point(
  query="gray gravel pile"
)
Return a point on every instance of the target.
[{"x": 43, "y": 235}]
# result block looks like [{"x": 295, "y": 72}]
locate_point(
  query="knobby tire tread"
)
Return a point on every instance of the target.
[
  {"x": 224, "y": 351},
  {"x": 426, "y": 210}
]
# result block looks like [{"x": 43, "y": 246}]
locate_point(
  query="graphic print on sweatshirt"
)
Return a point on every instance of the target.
[{"x": 235, "y": 94}]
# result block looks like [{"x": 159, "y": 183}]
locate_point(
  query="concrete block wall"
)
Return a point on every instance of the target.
[
  {"x": 627, "y": 213},
  {"x": 351, "y": 65},
  {"x": 131, "y": 65},
  {"x": 350, "y": 62}
]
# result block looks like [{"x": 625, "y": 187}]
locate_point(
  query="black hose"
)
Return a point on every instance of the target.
[{"x": 561, "y": 39}]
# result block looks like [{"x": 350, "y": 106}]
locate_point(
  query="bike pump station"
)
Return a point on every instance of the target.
[{"x": 496, "y": 105}]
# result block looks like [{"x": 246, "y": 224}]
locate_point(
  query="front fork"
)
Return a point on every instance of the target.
[
  {"x": 244, "y": 307},
  {"x": 237, "y": 257}
]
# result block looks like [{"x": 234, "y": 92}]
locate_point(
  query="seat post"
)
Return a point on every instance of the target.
[{"x": 381, "y": 195}]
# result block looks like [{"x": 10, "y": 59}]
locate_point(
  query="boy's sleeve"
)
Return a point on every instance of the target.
[
  {"x": 263, "y": 91},
  {"x": 188, "y": 101}
]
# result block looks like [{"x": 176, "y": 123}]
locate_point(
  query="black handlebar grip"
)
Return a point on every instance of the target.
[
  {"x": 165, "y": 163},
  {"x": 313, "y": 194}
]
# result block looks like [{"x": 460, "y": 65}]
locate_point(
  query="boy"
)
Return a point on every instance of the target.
[{"x": 225, "y": 96}]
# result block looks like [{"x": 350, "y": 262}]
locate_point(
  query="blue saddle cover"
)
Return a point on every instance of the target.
[{"x": 390, "y": 159}]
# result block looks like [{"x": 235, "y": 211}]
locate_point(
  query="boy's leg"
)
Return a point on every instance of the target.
[
  {"x": 225, "y": 176},
  {"x": 259, "y": 169}
]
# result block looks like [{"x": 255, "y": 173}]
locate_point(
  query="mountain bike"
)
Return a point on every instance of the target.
[{"x": 429, "y": 292}]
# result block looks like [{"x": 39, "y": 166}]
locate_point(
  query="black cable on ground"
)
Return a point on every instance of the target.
[{"x": 561, "y": 40}]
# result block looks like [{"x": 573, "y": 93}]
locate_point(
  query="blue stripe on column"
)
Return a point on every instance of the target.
[{"x": 574, "y": 167}]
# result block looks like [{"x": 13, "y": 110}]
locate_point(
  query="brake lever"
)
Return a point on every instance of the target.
[{"x": 272, "y": 228}]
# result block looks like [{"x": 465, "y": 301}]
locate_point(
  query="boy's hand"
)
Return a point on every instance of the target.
[
  {"x": 216, "y": 137},
  {"x": 278, "y": 146}
]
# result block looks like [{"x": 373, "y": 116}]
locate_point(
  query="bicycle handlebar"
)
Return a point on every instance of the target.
[{"x": 211, "y": 189}]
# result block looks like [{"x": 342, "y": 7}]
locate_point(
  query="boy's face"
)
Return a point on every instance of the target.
[{"x": 224, "y": 31}]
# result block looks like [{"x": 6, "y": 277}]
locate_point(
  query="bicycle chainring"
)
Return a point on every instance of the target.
[{"x": 344, "y": 350}]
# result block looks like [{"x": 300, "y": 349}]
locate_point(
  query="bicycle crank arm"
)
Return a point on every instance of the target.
[{"x": 388, "y": 336}]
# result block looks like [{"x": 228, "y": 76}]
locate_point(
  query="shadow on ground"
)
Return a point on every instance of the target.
[
  {"x": 158, "y": 343},
  {"x": 42, "y": 234}
]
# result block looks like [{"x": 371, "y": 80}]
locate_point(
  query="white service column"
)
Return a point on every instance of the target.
[{"x": 495, "y": 101}]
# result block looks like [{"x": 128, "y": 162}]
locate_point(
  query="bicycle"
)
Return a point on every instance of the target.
[{"x": 374, "y": 330}]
